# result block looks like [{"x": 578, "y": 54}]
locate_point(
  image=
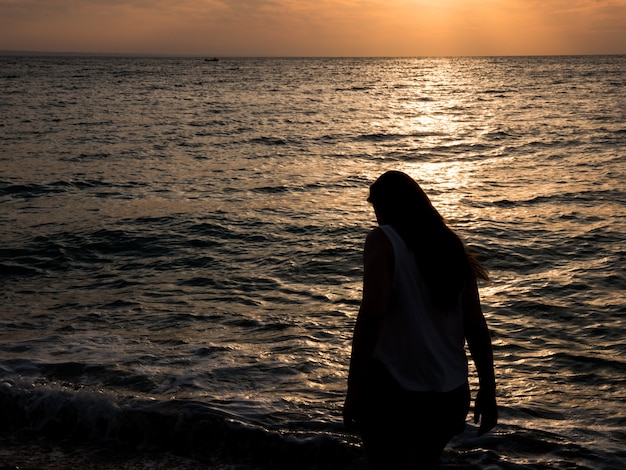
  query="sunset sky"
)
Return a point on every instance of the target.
[{"x": 315, "y": 27}]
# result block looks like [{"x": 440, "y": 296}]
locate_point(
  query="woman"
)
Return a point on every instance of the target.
[{"x": 408, "y": 390}]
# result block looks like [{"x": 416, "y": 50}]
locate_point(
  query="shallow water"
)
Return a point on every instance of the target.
[{"x": 183, "y": 239}]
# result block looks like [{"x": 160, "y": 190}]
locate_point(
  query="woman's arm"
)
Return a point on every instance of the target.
[
  {"x": 479, "y": 343},
  {"x": 377, "y": 273}
]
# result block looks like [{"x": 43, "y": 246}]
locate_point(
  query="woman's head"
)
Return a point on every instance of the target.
[{"x": 399, "y": 201}]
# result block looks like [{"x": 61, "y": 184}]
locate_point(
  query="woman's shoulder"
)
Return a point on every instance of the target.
[
  {"x": 377, "y": 234},
  {"x": 377, "y": 239}
]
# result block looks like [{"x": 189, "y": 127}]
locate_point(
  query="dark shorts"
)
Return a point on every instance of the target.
[{"x": 402, "y": 428}]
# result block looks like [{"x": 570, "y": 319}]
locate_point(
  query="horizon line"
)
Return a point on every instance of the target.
[{"x": 243, "y": 56}]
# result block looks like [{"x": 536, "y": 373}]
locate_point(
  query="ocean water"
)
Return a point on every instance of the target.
[{"x": 181, "y": 240}]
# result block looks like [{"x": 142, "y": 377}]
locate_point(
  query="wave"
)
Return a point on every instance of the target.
[
  {"x": 55, "y": 187},
  {"x": 183, "y": 427},
  {"x": 572, "y": 199},
  {"x": 270, "y": 141},
  {"x": 390, "y": 136},
  {"x": 32, "y": 190}
]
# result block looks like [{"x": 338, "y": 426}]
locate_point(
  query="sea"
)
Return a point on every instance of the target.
[{"x": 181, "y": 248}]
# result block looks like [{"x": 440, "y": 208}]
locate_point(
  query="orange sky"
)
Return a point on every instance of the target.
[{"x": 316, "y": 27}]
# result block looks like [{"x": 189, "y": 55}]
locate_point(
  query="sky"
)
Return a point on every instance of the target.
[{"x": 327, "y": 28}]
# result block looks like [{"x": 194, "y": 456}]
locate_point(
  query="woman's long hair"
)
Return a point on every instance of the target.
[{"x": 441, "y": 257}]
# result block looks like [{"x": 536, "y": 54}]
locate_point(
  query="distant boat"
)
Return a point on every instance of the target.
[{"x": 214, "y": 59}]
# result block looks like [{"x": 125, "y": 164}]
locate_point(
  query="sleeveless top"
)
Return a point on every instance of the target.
[{"x": 422, "y": 349}]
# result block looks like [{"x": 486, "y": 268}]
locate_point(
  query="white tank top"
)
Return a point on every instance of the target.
[{"x": 423, "y": 349}]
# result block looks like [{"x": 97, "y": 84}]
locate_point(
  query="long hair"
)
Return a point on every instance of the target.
[{"x": 441, "y": 257}]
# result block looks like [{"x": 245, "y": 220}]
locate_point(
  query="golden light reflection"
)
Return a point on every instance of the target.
[{"x": 445, "y": 183}]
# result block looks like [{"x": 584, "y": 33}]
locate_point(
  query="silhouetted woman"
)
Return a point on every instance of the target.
[{"x": 408, "y": 392}]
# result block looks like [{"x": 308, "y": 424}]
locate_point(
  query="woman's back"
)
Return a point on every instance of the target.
[{"x": 421, "y": 346}]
